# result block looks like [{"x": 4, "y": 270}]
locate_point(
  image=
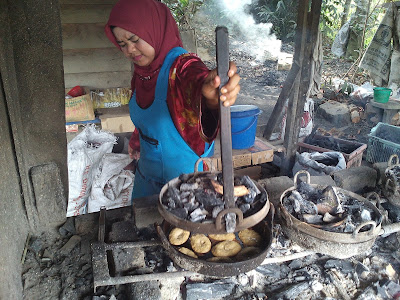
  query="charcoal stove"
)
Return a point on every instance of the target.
[{"x": 338, "y": 245}]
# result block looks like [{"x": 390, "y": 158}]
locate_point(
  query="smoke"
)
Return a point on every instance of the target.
[{"x": 255, "y": 39}]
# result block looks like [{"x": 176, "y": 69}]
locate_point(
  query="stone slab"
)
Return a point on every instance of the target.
[
  {"x": 275, "y": 187},
  {"x": 356, "y": 179},
  {"x": 335, "y": 112}
]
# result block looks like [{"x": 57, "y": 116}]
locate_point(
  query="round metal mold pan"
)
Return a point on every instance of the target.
[{"x": 219, "y": 269}]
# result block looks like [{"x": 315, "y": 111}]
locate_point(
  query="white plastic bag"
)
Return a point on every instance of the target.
[
  {"x": 311, "y": 162},
  {"x": 85, "y": 152},
  {"x": 339, "y": 45},
  {"x": 306, "y": 121},
  {"x": 112, "y": 185}
]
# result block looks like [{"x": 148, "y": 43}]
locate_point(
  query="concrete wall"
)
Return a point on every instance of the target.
[{"x": 33, "y": 153}]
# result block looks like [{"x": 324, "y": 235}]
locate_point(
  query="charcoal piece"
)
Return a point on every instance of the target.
[
  {"x": 173, "y": 194},
  {"x": 230, "y": 222},
  {"x": 171, "y": 203},
  {"x": 180, "y": 212},
  {"x": 216, "y": 210},
  {"x": 328, "y": 218},
  {"x": 308, "y": 191},
  {"x": 184, "y": 177},
  {"x": 365, "y": 215},
  {"x": 184, "y": 187},
  {"x": 312, "y": 219},
  {"x": 246, "y": 181},
  {"x": 244, "y": 207},
  {"x": 198, "y": 214},
  {"x": 344, "y": 266},
  {"x": 185, "y": 195},
  {"x": 301, "y": 205},
  {"x": 212, "y": 290},
  {"x": 262, "y": 197},
  {"x": 207, "y": 198},
  {"x": 190, "y": 207}
]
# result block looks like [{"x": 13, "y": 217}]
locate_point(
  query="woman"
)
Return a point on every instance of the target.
[{"x": 175, "y": 97}]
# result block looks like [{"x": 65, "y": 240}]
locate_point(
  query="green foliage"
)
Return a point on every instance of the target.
[
  {"x": 282, "y": 14},
  {"x": 331, "y": 13},
  {"x": 183, "y": 10}
]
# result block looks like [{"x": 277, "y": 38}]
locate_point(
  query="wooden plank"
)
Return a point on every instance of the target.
[
  {"x": 95, "y": 60},
  {"x": 100, "y": 2},
  {"x": 98, "y": 80},
  {"x": 80, "y": 36},
  {"x": 296, "y": 107},
  {"x": 89, "y": 13},
  {"x": 259, "y": 153}
]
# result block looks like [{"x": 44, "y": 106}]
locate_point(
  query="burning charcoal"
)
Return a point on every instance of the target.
[
  {"x": 198, "y": 215},
  {"x": 188, "y": 187},
  {"x": 216, "y": 210},
  {"x": 230, "y": 220},
  {"x": 303, "y": 206},
  {"x": 312, "y": 219},
  {"x": 180, "y": 212},
  {"x": 365, "y": 215},
  {"x": 207, "y": 199}
]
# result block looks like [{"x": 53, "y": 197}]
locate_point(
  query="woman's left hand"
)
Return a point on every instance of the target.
[{"x": 229, "y": 91}]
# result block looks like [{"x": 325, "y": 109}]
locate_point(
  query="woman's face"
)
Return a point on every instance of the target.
[{"x": 133, "y": 47}]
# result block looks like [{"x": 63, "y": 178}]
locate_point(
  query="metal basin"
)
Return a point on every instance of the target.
[
  {"x": 339, "y": 245},
  {"x": 217, "y": 226},
  {"x": 216, "y": 268}
]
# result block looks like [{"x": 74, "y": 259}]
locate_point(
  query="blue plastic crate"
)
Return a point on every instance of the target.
[{"x": 379, "y": 148}]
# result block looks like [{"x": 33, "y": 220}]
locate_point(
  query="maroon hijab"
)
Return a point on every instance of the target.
[{"x": 151, "y": 21}]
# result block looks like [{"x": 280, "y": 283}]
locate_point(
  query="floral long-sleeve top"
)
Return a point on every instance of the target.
[{"x": 194, "y": 121}]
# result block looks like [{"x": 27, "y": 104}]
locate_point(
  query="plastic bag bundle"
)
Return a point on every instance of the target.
[{"x": 85, "y": 152}]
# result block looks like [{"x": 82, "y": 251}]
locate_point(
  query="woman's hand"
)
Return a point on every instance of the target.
[{"x": 229, "y": 92}]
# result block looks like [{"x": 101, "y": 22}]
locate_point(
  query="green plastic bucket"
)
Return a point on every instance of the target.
[{"x": 382, "y": 94}]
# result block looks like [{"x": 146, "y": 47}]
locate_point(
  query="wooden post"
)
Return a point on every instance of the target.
[{"x": 308, "y": 37}]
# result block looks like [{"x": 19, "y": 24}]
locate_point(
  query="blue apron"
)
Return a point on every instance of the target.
[{"x": 164, "y": 154}]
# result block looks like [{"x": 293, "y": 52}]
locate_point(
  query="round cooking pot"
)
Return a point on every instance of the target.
[
  {"x": 339, "y": 245},
  {"x": 218, "y": 269},
  {"x": 218, "y": 225}
]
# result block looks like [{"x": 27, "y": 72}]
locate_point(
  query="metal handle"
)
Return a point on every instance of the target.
[
  {"x": 299, "y": 173},
  {"x": 235, "y": 210},
  {"x": 201, "y": 159},
  {"x": 225, "y": 116},
  {"x": 359, "y": 227},
  {"x": 393, "y": 156}
]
